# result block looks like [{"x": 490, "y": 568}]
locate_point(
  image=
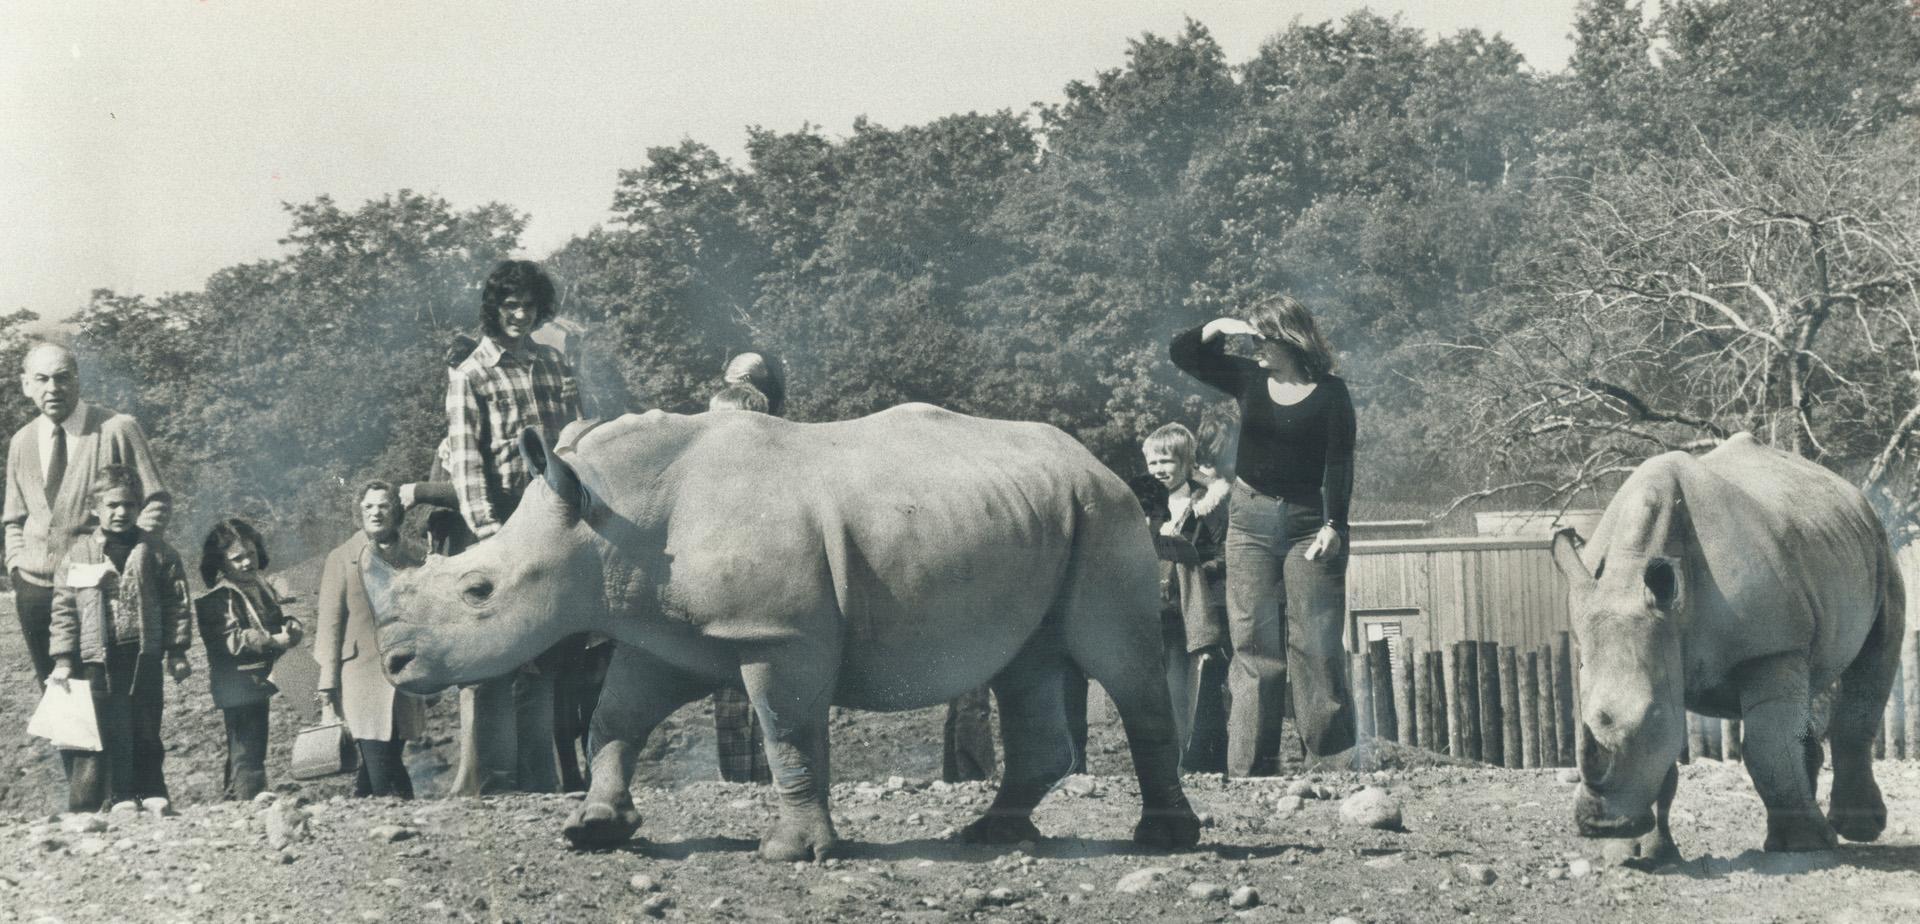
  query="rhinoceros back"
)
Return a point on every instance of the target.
[{"x": 928, "y": 540}]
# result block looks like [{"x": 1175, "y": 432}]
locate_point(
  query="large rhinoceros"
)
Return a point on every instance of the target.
[
  {"x": 1740, "y": 584},
  {"x": 891, "y": 562}
]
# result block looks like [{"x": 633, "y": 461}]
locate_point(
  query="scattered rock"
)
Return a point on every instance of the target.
[
  {"x": 1474, "y": 874},
  {"x": 435, "y": 907},
  {"x": 1207, "y": 891},
  {"x": 641, "y": 882},
  {"x": 285, "y": 824},
  {"x": 263, "y": 798},
  {"x": 1343, "y": 920},
  {"x": 1001, "y": 896},
  {"x": 90, "y": 847},
  {"x": 83, "y": 823},
  {"x": 1617, "y": 851},
  {"x": 390, "y": 834},
  {"x": 1081, "y": 785},
  {"x": 1244, "y": 897},
  {"x": 1570, "y": 775},
  {"x": 656, "y": 906},
  {"x": 1579, "y": 869},
  {"x": 1289, "y": 805},
  {"x": 1141, "y": 880},
  {"x": 1300, "y": 789},
  {"x": 1372, "y": 807}
]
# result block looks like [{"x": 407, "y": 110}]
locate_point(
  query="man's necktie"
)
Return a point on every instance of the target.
[{"x": 56, "y": 464}]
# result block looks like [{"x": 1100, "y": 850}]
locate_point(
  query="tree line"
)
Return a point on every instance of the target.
[{"x": 1706, "y": 223}]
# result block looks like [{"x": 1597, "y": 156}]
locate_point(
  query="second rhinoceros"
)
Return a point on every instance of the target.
[
  {"x": 891, "y": 562},
  {"x": 1740, "y": 584}
]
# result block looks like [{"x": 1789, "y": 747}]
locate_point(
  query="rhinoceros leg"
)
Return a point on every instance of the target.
[
  {"x": 640, "y": 692},
  {"x": 1031, "y": 695},
  {"x": 1856, "y": 809},
  {"x": 1123, "y": 653},
  {"x": 791, "y": 689},
  {"x": 1775, "y": 719}
]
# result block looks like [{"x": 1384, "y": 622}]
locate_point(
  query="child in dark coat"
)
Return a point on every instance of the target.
[
  {"x": 245, "y": 633},
  {"x": 116, "y": 614}
]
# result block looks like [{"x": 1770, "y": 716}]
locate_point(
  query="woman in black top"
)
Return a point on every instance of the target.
[{"x": 1287, "y": 530}]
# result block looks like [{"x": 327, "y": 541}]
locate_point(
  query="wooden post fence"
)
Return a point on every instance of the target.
[
  {"x": 1529, "y": 681},
  {"x": 1491, "y": 741},
  {"x": 1450, "y": 683}
]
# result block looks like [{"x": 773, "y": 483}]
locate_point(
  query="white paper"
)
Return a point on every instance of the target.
[{"x": 65, "y": 717}]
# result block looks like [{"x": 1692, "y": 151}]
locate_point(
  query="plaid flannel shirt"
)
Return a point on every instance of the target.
[{"x": 492, "y": 396}]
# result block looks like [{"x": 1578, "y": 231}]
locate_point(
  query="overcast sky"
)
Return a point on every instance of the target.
[{"x": 146, "y": 145}]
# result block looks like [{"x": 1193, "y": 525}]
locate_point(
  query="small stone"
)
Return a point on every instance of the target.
[
  {"x": 1372, "y": 807},
  {"x": 1289, "y": 805},
  {"x": 1300, "y": 789},
  {"x": 1206, "y": 819},
  {"x": 656, "y": 906},
  {"x": 1244, "y": 897},
  {"x": 371, "y": 915},
  {"x": 641, "y": 882},
  {"x": 394, "y": 883},
  {"x": 896, "y": 783},
  {"x": 1323, "y": 791},
  {"x": 435, "y": 907},
  {"x": 1570, "y": 775},
  {"x": 390, "y": 834},
  {"x": 263, "y": 798},
  {"x": 195, "y": 888},
  {"x": 1000, "y": 896},
  {"x": 1207, "y": 891},
  {"x": 1082, "y": 785},
  {"x": 128, "y": 807},
  {"x": 83, "y": 823},
  {"x": 157, "y": 805},
  {"x": 1343, "y": 919},
  {"x": 125, "y": 843},
  {"x": 1141, "y": 880},
  {"x": 740, "y": 804},
  {"x": 285, "y": 824},
  {"x": 90, "y": 847},
  {"x": 1557, "y": 874},
  {"x": 1474, "y": 874},
  {"x": 1580, "y": 869}
]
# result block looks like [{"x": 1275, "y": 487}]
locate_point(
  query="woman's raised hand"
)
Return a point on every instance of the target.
[{"x": 1219, "y": 326}]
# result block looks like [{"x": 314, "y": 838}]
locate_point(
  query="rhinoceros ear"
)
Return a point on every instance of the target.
[
  {"x": 559, "y": 476},
  {"x": 1566, "y": 555}
]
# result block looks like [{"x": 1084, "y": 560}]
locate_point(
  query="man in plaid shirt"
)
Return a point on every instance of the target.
[{"x": 507, "y": 384}]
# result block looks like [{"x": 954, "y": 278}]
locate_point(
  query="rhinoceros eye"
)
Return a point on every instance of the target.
[{"x": 476, "y": 590}]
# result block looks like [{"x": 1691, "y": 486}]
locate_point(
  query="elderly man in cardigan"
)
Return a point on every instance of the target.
[
  {"x": 51, "y": 466},
  {"x": 352, "y": 685}
]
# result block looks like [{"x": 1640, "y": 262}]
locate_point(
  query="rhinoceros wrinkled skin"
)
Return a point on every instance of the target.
[
  {"x": 1740, "y": 584},
  {"x": 890, "y": 562}
]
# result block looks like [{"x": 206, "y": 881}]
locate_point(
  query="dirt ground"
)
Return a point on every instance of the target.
[{"x": 1478, "y": 844}]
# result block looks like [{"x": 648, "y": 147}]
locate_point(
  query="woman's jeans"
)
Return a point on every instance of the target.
[{"x": 1286, "y": 617}]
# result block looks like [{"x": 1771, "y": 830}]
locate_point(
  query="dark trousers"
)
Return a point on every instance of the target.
[
  {"x": 743, "y": 753},
  {"x": 246, "y": 771},
  {"x": 967, "y": 741},
  {"x": 1196, "y": 682},
  {"x": 33, "y": 605},
  {"x": 578, "y": 670},
  {"x": 1285, "y": 615},
  {"x": 128, "y": 700},
  {"x": 383, "y": 769}
]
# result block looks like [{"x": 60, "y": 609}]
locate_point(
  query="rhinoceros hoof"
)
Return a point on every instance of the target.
[
  {"x": 597, "y": 825},
  {"x": 1168, "y": 830},
  {"x": 791, "y": 841},
  {"x": 1858, "y": 823},
  {"x": 1000, "y": 829},
  {"x": 1799, "y": 834},
  {"x": 1857, "y": 811}
]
